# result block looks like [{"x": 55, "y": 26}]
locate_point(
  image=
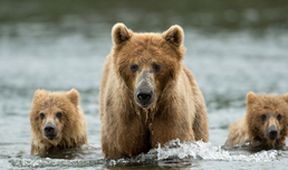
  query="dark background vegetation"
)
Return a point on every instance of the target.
[{"x": 204, "y": 14}]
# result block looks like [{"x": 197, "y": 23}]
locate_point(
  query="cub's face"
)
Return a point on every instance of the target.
[
  {"x": 51, "y": 113},
  {"x": 147, "y": 62},
  {"x": 51, "y": 122},
  {"x": 267, "y": 117}
]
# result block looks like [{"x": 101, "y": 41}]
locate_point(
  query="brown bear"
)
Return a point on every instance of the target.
[
  {"x": 57, "y": 122},
  {"x": 264, "y": 125},
  {"x": 147, "y": 95}
]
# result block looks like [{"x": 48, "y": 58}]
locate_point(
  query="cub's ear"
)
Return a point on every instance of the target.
[
  {"x": 120, "y": 33},
  {"x": 174, "y": 35},
  {"x": 74, "y": 96},
  {"x": 251, "y": 97},
  {"x": 38, "y": 94}
]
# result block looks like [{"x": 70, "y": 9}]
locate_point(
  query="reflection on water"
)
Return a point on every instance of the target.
[{"x": 61, "y": 45}]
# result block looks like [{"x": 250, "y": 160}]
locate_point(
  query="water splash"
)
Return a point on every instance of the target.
[
  {"x": 206, "y": 151},
  {"x": 174, "y": 153},
  {"x": 177, "y": 153}
]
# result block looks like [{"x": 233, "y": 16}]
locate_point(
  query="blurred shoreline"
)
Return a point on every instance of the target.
[{"x": 147, "y": 15}]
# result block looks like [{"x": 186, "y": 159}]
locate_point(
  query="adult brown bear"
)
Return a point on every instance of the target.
[{"x": 147, "y": 95}]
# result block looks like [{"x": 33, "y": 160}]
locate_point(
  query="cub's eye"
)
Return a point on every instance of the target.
[
  {"x": 279, "y": 117},
  {"x": 156, "y": 67},
  {"x": 42, "y": 115},
  {"x": 134, "y": 68},
  {"x": 59, "y": 115},
  {"x": 263, "y": 117}
]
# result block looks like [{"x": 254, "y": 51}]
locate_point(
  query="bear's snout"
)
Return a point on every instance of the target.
[
  {"x": 144, "y": 92},
  {"x": 50, "y": 131},
  {"x": 272, "y": 132}
]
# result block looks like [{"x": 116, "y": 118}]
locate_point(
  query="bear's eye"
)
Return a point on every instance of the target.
[
  {"x": 156, "y": 67},
  {"x": 42, "y": 115},
  {"x": 59, "y": 115},
  {"x": 263, "y": 117},
  {"x": 279, "y": 117},
  {"x": 134, "y": 68}
]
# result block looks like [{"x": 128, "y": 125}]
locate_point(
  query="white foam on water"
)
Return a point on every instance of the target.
[
  {"x": 206, "y": 151},
  {"x": 175, "y": 152},
  {"x": 47, "y": 162},
  {"x": 86, "y": 156}
]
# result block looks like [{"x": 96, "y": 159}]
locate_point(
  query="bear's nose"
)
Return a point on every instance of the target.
[
  {"x": 273, "y": 133},
  {"x": 144, "y": 97},
  {"x": 50, "y": 130}
]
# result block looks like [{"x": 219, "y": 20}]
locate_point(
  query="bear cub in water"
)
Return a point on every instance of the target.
[
  {"x": 57, "y": 122},
  {"x": 264, "y": 125}
]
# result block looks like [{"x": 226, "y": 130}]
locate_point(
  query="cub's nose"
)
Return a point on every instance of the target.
[
  {"x": 50, "y": 131},
  {"x": 144, "y": 97},
  {"x": 272, "y": 132}
]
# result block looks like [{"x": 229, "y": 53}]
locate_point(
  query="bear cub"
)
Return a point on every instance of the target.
[
  {"x": 264, "y": 125},
  {"x": 57, "y": 122}
]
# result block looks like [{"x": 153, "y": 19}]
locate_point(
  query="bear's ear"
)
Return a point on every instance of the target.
[
  {"x": 38, "y": 94},
  {"x": 120, "y": 33},
  {"x": 251, "y": 97},
  {"x": 174, "y": 35},
  {"x": 74, "y": 96},
  {"x": 285, "y": 97}
]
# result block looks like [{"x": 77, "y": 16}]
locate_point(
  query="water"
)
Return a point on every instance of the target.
[{"x": 63, "y": 50}]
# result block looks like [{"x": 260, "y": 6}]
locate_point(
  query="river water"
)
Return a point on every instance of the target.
[{"x": 70, "y": 53}]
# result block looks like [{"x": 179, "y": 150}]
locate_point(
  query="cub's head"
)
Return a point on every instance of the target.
[
  {"x": 267, "y": 118},
  {"x": 53, "y": 114},
  {"x": 147, "y": 62}
]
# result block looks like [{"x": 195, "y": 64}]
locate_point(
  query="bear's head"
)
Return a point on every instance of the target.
[
  {"x": 53, "y": 114},
  {"x": 147, "y": 63},
  {"x": 267, "y": 118}
]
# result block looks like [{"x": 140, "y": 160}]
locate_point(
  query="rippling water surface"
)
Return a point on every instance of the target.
[{"x": 70, "y": 53}]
